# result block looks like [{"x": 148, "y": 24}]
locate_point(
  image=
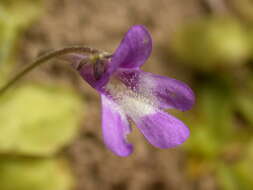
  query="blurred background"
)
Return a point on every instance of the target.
[{"x": 50, "y": 131}]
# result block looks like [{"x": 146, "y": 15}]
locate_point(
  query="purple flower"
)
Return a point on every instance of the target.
[{"x": 128, "y": 93}]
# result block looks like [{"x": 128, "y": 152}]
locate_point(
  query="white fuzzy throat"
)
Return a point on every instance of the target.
[{"x": 134, "y": 104}]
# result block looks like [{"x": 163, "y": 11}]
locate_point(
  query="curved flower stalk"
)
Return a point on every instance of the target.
[{"x": 128, "y": 93}]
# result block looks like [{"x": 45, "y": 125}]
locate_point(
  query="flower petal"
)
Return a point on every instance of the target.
[
  {"x": 163, "y": 91},
  {"x": 163, "y": 130},
  {"x": 115, "y": 128},
  {"x": 134, "y": 49}
]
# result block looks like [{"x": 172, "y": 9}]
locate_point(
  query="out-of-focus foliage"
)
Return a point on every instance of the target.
[
  {"x": 38, "y": 120},
  {"x": 244, "y": 8},
  {"x": 243, "y": 169},
  {"x": 238, "y": 175},
  {"x": 34, "y": 174},
  {"x": 245, "y": 105},
  {"x": 219, "y": 51},
  {"x": 20, "y": 13},
  {"x": 212, "y": 43},
  {"x": 15, "y": 16},
  {"x": 227, "y": 178},
  {"x": 213, "y": 125}
]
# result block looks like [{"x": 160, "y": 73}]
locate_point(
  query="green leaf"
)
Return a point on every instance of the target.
[
  {"x": 212, "y": 126},
  {"x": 38, "y": 120},
  {"x": 34, "y": 174},
  {"x": 215, "y": 108},
  {"x": 212, "y": 42},
  {"x": 245, "y": 106},
  {"x": 202, "y": 143},
  {"x": 20, "y": 13},
  {"x": 244, "y": 168},
  {"x": 15, "y": 17},
  {"x": 226, "y": 178}
]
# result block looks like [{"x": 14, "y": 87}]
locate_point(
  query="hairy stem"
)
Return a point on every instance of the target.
[{"x": 44, "y": 58}]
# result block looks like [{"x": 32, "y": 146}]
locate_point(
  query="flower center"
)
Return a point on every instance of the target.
[{"x": 134, "y": 104}]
